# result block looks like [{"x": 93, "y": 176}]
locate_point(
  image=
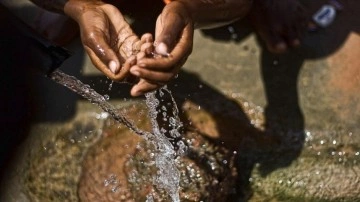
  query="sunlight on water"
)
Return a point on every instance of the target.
[
  {"x": 88, "y": 93},
  {"x": 168, "y": 176},
  {"x": 167, "y": 147}
]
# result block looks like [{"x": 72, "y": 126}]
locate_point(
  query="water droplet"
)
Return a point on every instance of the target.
[
  {"x": 107, "y": 97},
  {"x": 110, "y": 85},
  {"x": 115, "y": 189},
  {"x": 275, "y": 62},
  {"x": 231, "y": 29},
  {"x": 334, "y": 142}
]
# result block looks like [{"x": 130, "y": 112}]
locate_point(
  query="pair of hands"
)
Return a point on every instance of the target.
[{"x": 119, "y": 53}]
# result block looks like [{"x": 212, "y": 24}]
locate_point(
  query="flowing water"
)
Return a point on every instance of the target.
[
  {"x": 167, "y": 147},
  {"x": 165, "y": 158},
  {"x": 85, "y": 91}
]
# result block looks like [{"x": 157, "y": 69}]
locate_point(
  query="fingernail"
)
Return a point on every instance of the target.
[
  {"x": 135, "y": 92},
  {"x": 135, "y": 72},
  {"x": 113, "y": 66},
  {"x": 162, "y": 49}
]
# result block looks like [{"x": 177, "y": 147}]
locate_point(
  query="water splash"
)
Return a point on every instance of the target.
[{"x": 166, "y": 140}]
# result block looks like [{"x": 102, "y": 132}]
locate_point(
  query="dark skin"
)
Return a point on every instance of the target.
[
  {"x": 107, "y": 37},
  {"x": 281, "y": 24},
  {"x": 113, "y": 46},
  {"x": 174, "y": 38}
]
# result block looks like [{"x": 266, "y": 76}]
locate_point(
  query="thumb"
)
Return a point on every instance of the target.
[{"x": 169, "y": 27}]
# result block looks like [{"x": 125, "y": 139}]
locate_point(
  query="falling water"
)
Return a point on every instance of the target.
[
  {"x": 167, "y": 147},
  {"x": 168, "y": 175},
  {"x": 87, "y": 92}
]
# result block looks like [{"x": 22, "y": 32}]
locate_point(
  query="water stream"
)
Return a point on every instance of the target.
[
  {"x": 94, "y": 97},
  {"x": 166, "y": 148}
]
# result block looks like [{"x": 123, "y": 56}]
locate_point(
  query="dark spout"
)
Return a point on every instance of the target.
[{"x": 26, "y": 47}]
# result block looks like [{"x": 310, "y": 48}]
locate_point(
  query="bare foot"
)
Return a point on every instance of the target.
[{"x": 280, "y": 23}]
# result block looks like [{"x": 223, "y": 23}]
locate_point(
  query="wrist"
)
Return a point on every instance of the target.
[
  {"x": 215, "y": 13},
  {"x": 190, "y": 7},
  {"x": 183, "y": 8}
]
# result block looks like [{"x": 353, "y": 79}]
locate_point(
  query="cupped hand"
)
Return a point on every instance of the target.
[
  {"x": 106, "y": 36},
  {"x": 173, "y": 44}
]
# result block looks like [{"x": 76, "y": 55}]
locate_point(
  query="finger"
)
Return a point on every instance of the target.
[
  {"x": 273, "y": 39},
  {"x": 131, "y": 61},
  {"x": 177, "y": 56},
  {"x": 140, "y": 56},
  {"x": 184, "y": 46},
  {"x": 143, "y": 87},
  {"x": 154, "y": 76},
  {"x": 277, "y": 45},
  {"x": 127, "y": 41},
  {"x": 100, "y": 53},
  {"x": 130, "y": 45},
  {"x": 147, "y": 37},
  {"x": 147, "y": 48},
  {"x": 292, "y": 37},
  {"x": 169, "y": 26},
  {"x": 299, "y": 28},
  {"x": 97, "y": 47}
]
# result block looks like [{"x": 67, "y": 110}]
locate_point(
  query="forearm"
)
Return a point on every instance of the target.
[
  {"x": 51, "y": 5},
  {"x": 215, "y": 13},
  {"x": 72, "y": 8}
]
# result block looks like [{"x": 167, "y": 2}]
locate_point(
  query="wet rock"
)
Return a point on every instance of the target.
[
  {"x": 121, "y": 168},
  {"x": 227, "y": 159},
  {"x": 53, "y": 168}
]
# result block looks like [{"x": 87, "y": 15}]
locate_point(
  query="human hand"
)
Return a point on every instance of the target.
[
  {"x": 156, "y": 65},
  {"x": 280, "y": 23},
  {"x": 106, "y": 36}
]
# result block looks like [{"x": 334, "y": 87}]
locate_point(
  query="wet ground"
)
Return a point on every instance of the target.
[{"x": 292, "y": 121}]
